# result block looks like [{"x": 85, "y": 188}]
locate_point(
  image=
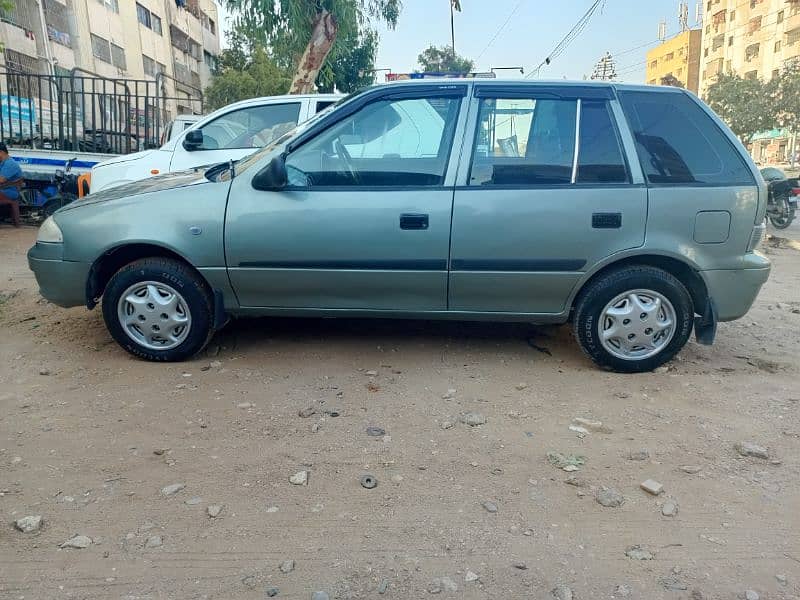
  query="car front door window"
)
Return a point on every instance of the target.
[{"x": 401, "y": 142}]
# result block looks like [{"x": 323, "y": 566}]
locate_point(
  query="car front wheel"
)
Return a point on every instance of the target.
[
  {"x": 634, "y": 319},
  {"x": 159, "y": 309}
]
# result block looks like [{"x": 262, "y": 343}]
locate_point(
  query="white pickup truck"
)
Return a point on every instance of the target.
[{"x": 230, "y": 133}]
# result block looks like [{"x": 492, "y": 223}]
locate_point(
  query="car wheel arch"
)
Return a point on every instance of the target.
[
  {"x": 685, "y": 272},
  {"x": 113, "y": 259}
]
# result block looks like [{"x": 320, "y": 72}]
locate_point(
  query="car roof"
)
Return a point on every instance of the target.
[
  {"x": 519, "y": 82},
  {"x": 279, "y": 99}
]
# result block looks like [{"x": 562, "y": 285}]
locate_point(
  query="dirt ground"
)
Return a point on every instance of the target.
[{"x": 89, "y": 437}]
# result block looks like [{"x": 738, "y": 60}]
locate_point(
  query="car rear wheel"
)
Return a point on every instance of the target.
[
  {"x": 634, "y": 319},
  {"x": 159, "y": 309},
  {"x": 786, "y": 216}
]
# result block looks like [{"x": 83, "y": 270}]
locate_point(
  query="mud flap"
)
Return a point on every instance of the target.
[
  {"x": 221, "y": 318},
  {"x": 705, "y": 326}
]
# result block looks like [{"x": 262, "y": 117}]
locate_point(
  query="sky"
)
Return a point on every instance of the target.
[{"x": 626, "y": 28}]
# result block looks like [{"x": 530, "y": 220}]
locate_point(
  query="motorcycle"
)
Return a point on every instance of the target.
[{"x": 782, "y": 199}]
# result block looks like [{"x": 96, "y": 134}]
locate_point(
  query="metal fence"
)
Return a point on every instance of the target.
[{"x": 81, "y": 111}]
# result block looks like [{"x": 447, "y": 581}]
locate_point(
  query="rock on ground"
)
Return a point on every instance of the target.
[
  {"x": 154, "y": 541},
  {"x": 299, "y": 478},
  {"x": 79, "y": 542},
  {"x": 471, "y": 576},
  {"x": 751, "y": 595},
  {"x": 29, "y": 524},
  {"x": 669, "y": 508},
  {"x": 287, "y": 566},
  {"x": 609, "y": 497},
  {"x": 751, "y": 449},
  {"x": 489, "y": 506},
  {"x": 172, "y": 489},
  {"x": 214, "y": 510},
  {"x": 320, "y": 596},
  {"x": 473, "y": 419},
  {"x": 651, "y": 486},
  {"x": 639, "y": 553},
  {"x": 562, "y": 592}
]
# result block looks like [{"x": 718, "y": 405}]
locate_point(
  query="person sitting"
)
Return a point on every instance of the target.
[{"x": 10, "y": 180}]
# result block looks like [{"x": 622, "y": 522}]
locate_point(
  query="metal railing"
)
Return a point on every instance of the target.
[{"x": 86, "y": 112}]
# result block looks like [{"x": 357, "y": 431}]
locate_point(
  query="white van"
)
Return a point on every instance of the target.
[
  {"x": 177, "y": 126},
  {"x": 230, "y": 133}
]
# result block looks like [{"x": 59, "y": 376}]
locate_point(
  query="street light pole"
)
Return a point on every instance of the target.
[{"x": 452, "y": 28}]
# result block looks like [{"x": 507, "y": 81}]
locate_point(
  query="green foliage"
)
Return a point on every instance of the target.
[
  {"x": 352, "y": 66},
  {"x": 6, "y": 6},
  {"x": 785, "y": 92},
  {"x": 285, "y": 25},
  {"x": 444, "y": 60},
  {"x": 246, "y": 76},
  {"x": 745, "y": 104}
]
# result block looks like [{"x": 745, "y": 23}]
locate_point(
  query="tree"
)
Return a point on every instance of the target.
[
  {"x": 744, "y": 104},
  {"x": 443, "y": 60},
  {"x": 307, "y": 30},
  {"x": 353, "y": 67},
  {"x": 6, "y": 6},
  {"x": 785, "y": 90},
  {"x": 671, "y": 81},
  {"x": 258, "y": 75}
]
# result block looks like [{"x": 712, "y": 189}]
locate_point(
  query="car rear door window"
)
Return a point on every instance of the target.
[
  {"x": 678, "y": 143},
  {"x": 524, "y": 141},
  {"x": 600, "y": 157}
]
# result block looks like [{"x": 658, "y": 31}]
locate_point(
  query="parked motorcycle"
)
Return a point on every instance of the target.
[
  {"x": 66, "y": 184},
  {"x": 782, "y": 199}
]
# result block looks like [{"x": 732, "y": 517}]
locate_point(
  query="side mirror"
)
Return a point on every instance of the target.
[
  {"x": 193, "y": 140},
  {"x": 273, "y": 177}
]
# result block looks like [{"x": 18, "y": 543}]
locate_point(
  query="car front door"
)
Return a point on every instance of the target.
[
  {"x": 237, "y": 134},
  {"x": 546, "y": 194},
  {"x": 364, "y": 222}
]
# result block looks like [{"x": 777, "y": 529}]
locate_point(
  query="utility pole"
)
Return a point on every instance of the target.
[
  {"x": 455, "y": 5},
  {"x": 605, "y": 69}
]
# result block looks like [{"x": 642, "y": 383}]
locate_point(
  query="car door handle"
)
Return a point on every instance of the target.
[{"x": 413, "y": 221}]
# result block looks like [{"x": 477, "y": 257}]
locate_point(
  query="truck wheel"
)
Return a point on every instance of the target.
[
  {"x": 159, "y": 309},
  {"x": 634, "y": 319}
]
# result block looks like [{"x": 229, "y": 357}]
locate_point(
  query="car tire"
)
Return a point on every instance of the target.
[
  {"x": 159, "y": 309},
  {"x": 651, "y": 297}
]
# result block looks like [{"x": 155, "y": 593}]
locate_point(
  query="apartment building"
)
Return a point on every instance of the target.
[
  {"x": 118, "y": 39},
  {"x": 676, "y": 60},
  {"x": 753, "y": 38}
]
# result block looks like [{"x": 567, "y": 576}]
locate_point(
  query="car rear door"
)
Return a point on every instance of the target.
[{"x": 545, "y": 194}]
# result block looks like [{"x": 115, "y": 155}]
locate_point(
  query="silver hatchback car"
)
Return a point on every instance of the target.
[{"x": 631, "y": 211}]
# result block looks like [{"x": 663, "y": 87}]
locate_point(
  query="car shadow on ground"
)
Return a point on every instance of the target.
[{"x": 250, "y": 335}]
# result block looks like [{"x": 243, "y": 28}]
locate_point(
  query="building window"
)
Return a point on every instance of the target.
[
  {"x": 149, "y": 66},
  {"x": 143, "y": 15},
  {"x": 717, "y": 42},
  {"x": 705, "y": 54},
  {"x": 156, "y": 20},
  {"x": 110, "y": 4},
  {"x": 654, "y": 64},
  {"x": 100, "y": 48},
  {"x": 212, "y": 27},
  {"x": 780, "y": 16},
  {"x": 778, "y": 46},
  {"x": 730, "y": 41},
  {"x": 160, "y": 68},
  {"x": 118, "y": 57},
  {"x": 753, "y": 25},
  {"x": 210, "y": 60},
  {"x": 751, "y": 75},
  {"x": 733, "y": 15},
  {"x": 793, "y": 36},
  {"x": 670, "y": 56},
  {"x": 751, "y": 52},
  {"x": 775, "y": 73}
]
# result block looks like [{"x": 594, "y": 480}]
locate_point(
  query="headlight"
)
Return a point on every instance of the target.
[{"x": 50, "y": 232}]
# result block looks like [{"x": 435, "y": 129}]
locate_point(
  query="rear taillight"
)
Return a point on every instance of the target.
[
  {"x": 756, "y": 236},
  {"x": 795, "y": 192}
]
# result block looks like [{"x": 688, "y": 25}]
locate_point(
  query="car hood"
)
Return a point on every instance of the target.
[
  {"x": 168, "y": 181},
  {"x": 125, "y": 158}
]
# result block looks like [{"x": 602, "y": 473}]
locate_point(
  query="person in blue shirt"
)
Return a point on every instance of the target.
[{"x": 10, "y": 176}]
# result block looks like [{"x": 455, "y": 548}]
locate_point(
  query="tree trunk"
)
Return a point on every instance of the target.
[{"x": 323, "y": 34}]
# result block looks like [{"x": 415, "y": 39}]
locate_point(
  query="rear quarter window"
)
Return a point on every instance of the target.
[{"x": 678, "y": 143}]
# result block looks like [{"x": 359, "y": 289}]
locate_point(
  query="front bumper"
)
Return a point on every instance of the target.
[
  {"x": 734, "y": 291},
  {"x": 60, "y": 281}
]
